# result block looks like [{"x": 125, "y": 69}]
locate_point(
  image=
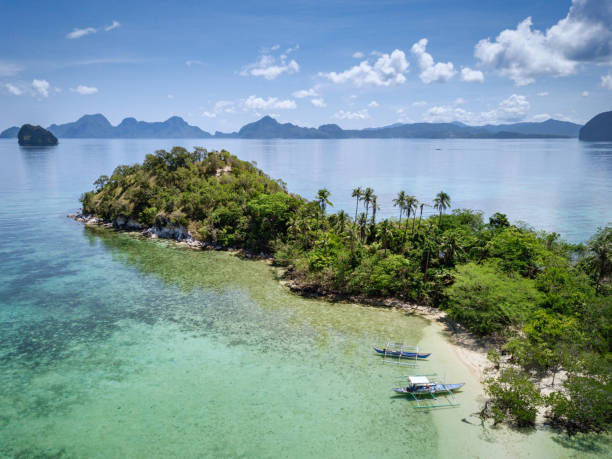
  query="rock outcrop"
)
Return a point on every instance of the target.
[
  {"x": 598, "y": 129},
  {"x": 35, "y": 136}
]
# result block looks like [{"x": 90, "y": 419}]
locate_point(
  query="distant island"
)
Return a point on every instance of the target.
[
  {"x": 97, "y": 126},
  {"x": 35, "y": 136},
  {"x": 598, "y": 129}
]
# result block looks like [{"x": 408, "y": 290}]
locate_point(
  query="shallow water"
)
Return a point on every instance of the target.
[{"x": 111, "y": 346}]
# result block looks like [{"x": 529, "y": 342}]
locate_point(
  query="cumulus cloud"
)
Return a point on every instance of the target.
[
  {"x": 358, "y": 55},
  {"x": 305, "y": 93},
  {"x": 606, "y": 81},
  {"x": 522, "y": 54},
  {"x": 318, "y": 102},
  {"x": 84, "y": 90},
  {"x": 387, "y": 70},
  {"x": 259, "y": 103},
  {"x": 13, "y": 89},
  {"x": 209, "y": 114},
  {"x": 512, "y": 109},
  {"x": 440, "y": 72},
  {"x": 8, "y": 69},
  {"x": 585, "y": 93},
  {"x": 471, "y": 76},
  {"x": 542, "y": 94},
  {"x": 373, "y": 104},
  {"x": 358, "y": 115},
  {"x": 270, "y": 66},
  {"x": 191, "y": 63},
  {"x": 41, "y": 87},
  {"x": 419, "y": 103},
  {"x": 459, "y": 101}
]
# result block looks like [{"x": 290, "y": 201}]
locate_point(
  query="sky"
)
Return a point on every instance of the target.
[{"x": 222, "y": 64}]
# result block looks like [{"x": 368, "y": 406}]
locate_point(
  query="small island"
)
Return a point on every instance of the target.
[
  {"x": 544, "y": 306},
  {"x": 35, "y": 136},
  {"x": 598, "y": 129}
]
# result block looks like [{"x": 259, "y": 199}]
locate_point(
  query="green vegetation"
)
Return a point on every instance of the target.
[{"x": 547, "y": 302}]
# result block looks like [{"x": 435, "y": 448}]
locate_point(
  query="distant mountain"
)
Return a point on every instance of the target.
[
  {"x": 9, "y": 133},
  {"x": 268, "y": 128},
  {"x": 97, "y": 126},
  {"x": 598, "y": 129},
  {"x": 548, "y": 127}
]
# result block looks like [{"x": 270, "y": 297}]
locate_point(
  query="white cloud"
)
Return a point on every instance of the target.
[
  {"x": 209, "y": 114},
  {"x": 114, "y": 25},
  {"x": 430, "y": 72},
  {"x": 542, "y": 94},
  {"x": 191, "y": 63},
  {"x": 471, "y": 76},
  {"x": 540, "y": 117},
  {"x": 170, "y": 96},
  {"x": 41, "y": 87},
  {"x": 522, "y": 54},
  {"x": 358, "y": 115},
  {"x": 459, "y": 101},
  {"x": 8, "y": 69},
  {"x": 226, "y": 106},
  {"x": 387, "y": 70},
  {"x": 13, "y": 89},
  {"x": 258, "y": 103},
  {"x": 585, "y": 93},
  {"x": 419, "y": 103},
  {"x": 358, "y": 55},
  {"x": 606, "y": 81},
  {"x": 305, "y": 93},
  {"x": 319, "y": 102},
  {"x": 84, "y": 90},
  {"x": 78, "y": 33},
  {"x": 270, "y": 67},
  {"x": 373, "y": 104},
  {"x": 512, "y": 109}
]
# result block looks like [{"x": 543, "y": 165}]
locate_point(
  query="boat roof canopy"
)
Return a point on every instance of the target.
[{"x": 418, "y": 379}]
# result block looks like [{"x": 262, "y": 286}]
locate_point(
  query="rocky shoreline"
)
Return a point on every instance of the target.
[{"x": 177, "y": 233}]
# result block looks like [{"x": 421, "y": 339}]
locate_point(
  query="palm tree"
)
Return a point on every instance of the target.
[
  {"x": 421, "y": 213},
  {"x": 341, "y": 219},
  {"x": 409, "y": 206},
  {"x": 357, "y": 193},
  {"x": 399, "y": 202},
  {"x": 442, "y": 202},
  {"x": 367, "y": 198},
  {"x": 415, "y": 204},
  {"x": 363, "y": 220},
  {"x": 323, "y": 200},
  {"x": 385, "y": 234},
  {"x": 375, "y": 207},
  {"x": 600, "y": 257}
]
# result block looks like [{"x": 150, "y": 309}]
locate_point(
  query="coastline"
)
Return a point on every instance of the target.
[{"x": 469, "y": 349}]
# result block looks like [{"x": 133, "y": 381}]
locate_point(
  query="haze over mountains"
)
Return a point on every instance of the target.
[{"x": 97, "y": 126}]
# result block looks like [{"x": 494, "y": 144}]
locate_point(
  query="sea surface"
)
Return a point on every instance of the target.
[{"x": 113, "y": 346}]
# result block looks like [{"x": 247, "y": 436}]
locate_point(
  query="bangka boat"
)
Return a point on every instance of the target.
[
  {"x": 401, "y": 353},
  {"x": 423, "y": 385}
]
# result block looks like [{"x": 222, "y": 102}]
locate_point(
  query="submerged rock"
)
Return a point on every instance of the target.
[{"x": 35, "y": 136}]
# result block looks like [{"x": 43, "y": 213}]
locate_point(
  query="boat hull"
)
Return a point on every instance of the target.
[
  {"x": 404, "y": 354},
  {"x": 438, "y": 388}
]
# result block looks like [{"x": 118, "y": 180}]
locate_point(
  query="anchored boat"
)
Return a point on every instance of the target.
[
  {"x": 402, "y": 353},
  {"x": 425, "y": 390}
]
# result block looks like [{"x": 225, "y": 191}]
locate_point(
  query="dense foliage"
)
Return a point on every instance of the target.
[{"x": 547, "y": 301}]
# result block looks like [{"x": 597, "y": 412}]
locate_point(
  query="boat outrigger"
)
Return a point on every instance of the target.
[
  {"x": 402, "y": 353},
  {"x": 423, "y": 389}
]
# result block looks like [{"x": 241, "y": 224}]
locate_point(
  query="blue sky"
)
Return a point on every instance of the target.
[{"x": 221, "y": 64}]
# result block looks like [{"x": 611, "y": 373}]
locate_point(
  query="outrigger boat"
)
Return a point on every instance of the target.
[
  {"x": 401, "y": 353},
  {"x": 423, "y": 390},
  {"x": 422, "y": 385}
]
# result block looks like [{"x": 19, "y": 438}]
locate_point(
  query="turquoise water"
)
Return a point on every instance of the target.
[{"x": 111, "y": 346}]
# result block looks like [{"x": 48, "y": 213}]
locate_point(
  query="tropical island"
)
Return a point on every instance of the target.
[{"x": 544, "y": 305}]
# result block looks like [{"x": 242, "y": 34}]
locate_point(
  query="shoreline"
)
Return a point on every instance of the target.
[{"x": 470, "y": 350}]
